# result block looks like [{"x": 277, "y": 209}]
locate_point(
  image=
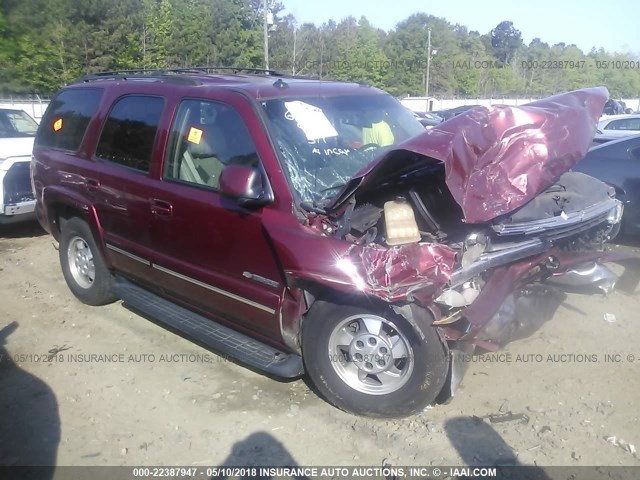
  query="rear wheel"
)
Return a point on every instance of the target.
[
  {"x": 372, "y": 361},
  {"x": 82, "y": 265}
]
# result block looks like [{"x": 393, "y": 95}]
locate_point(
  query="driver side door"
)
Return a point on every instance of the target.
[{"x": 211, "y": 253}]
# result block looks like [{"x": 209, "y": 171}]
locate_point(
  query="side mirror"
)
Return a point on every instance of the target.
[{"x": 244, "y": 184}]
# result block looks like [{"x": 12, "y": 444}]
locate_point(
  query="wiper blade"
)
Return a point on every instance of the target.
[
  {"x": 335, "y": 187},
  {"x": 312, "y": 207}
]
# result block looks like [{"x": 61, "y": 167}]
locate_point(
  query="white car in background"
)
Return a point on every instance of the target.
[
  {"x": 618, "y": 126},
  {"x": 17, "y": 131}
]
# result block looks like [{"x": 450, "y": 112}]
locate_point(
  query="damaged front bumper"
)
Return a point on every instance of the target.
[
  {"x": 523, "y": 284},
  {"x": 497, "y": 304},
  {"x": 518, "y": 298},
  {"x": 589, "y": 276}
]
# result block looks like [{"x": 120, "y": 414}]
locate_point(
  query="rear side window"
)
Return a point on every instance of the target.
[
  {"x": 625, "y": 124},
  {"x": 67, "y": 117},
  {"x": 130, "y": 131}
]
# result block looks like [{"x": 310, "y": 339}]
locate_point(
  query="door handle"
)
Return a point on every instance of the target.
[
  {"x": 92, "y": 184},
  {"x": 161, "y": 208}
]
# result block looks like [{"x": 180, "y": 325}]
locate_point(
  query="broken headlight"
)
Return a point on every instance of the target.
[
  {"x": 615, "y": 214},
  {"x": 474, "y": 246}
]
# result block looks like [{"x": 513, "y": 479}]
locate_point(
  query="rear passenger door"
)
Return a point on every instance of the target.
[
  {"x": 119, "y": 182},
  {"x": 212, "y": 253}
]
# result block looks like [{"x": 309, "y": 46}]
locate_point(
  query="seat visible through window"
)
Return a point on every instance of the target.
[
  {"x": 207, "y": 136},
  {"x": 204, "y": 147}
]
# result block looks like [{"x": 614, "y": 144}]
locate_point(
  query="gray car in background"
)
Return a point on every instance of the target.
[
  {"x": 618, "y": 126},
  {"x": 618, "y": 163}
]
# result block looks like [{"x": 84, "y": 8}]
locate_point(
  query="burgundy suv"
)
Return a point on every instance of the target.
[{"x": 305, "y": 226}]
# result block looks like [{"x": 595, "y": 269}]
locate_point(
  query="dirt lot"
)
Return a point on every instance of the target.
[{"x": 202, "y": 410}]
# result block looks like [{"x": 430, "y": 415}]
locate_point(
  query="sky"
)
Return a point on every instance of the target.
[{"x": 611, "y": 24}]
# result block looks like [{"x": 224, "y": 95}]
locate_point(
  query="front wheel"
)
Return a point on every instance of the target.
[
  {"x": 82, "y": 265},
  {"x": 373, "y": 362}
]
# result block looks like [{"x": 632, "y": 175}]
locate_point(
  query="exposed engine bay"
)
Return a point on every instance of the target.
[{"x": 428, "y": 212}]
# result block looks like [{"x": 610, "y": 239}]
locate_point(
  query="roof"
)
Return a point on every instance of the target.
[{"x": 260, "y": 84}]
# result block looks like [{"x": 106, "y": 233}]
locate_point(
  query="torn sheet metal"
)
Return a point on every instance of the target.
[
  {"x": 497, "y": 159},
  {"x": 404, "y": 272},
  {"x": 400, "y": 272}
]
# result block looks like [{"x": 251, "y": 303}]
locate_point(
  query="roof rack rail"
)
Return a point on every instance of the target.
[{"x": 136, "y": 72}]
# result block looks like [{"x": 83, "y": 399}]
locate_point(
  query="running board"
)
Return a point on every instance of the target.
[{"x": 220, "y": 338}]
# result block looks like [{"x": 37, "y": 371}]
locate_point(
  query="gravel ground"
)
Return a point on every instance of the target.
[{"x": 572, "y": 390}]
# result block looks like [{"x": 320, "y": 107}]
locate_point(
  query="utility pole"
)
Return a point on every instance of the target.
[
  {"x": 426, "y": 89},
  {"x": 266, "y": 34},
  {"x": 293, "y": 64},
  {"x": 321, "y": 52}
]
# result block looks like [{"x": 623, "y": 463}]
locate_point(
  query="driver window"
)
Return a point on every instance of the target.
[{"x": 205, "y": 137}]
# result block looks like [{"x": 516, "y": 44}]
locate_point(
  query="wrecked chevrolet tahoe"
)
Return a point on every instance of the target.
[{"x": 313, "y": 227}]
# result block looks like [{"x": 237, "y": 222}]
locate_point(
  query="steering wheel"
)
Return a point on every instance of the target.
[{"x": 368, "y": 146}]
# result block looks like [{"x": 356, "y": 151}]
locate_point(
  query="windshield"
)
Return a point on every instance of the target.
[
  {"x": 324, "y": 141},
  {"x": 16, "y": 123}
]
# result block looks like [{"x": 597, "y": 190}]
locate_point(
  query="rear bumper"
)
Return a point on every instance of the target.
[
  {"x": 17, "y": 202},
  {"x": 20, "y": 212}
]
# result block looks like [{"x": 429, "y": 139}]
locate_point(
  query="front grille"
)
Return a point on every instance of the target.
[
  {"x": 560, "y": 233},
  {"x": 557, "y": 227},
  {"x": 17, "y": 184}
]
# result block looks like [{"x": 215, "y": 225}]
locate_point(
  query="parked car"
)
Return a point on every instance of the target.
[
  {"x": 316, "y": 227},
  {"x": 453, "y": 112},
  {"x": 601, "y": 138},
  {"x": 17, "y": 131},
  {"x": 618, "y": 126},
  {"x": 613, "y": 107},
  {"x": 428, "y": 119},
  {"x": 617, "y": 163}
]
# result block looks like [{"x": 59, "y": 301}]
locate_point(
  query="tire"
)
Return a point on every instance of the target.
[
  {"x": 376, "y": 384},
  {"x": 82, "y": 264}
]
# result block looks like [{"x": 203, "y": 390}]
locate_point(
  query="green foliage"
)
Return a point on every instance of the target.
[
  {"x": 45, "y": 44},
  {"x": 157, "y": 26},
  {"x": 506, "y": 40},
  {"x": 357, "y": 55}
]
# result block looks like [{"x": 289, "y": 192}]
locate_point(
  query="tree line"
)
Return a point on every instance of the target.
[{"x": 46, "y": 44}]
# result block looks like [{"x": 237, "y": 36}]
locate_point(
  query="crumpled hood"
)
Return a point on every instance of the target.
[{"x": 497, "y": 159}]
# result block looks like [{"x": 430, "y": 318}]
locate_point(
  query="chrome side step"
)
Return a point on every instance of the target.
[{"x": 220, "y": 338}]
